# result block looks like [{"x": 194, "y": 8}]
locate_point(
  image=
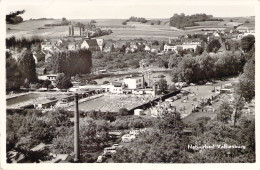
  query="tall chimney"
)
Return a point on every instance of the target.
[
  {"x": 76, "y": 130},
  {"x": 80, "y": 30}
]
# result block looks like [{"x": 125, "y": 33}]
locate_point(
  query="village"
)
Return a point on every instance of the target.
[{"x": 124, "y": 102}]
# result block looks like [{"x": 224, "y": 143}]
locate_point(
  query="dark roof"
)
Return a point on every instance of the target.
[
  {"x": 92, "y": 42},
  {"x": 39, "y": 55},
  {"x": 40, "y": 70},
  {"x": 117, "y": 84}
]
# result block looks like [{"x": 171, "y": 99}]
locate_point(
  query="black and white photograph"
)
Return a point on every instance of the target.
[{"x": 128, "y": 81}]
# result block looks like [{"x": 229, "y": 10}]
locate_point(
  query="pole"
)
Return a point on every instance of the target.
[{"x": 76, "y": 130}]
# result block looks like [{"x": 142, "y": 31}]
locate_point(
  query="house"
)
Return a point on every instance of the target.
[
  {"x": 46, "y": 45},
  {"x": 245, "y": 29},
  {"x": 143, "y": 63},
  {"x": 47, "y": 104},
  {"x": 38, "y": 56},
  {"x": 90, "y": 44},
  {"x": 100, "y": 43},
  {"x": 173, "y": 39},
  {"x": 52, "y": 78},
  {"x": 114, "y": 87},
  {"x": 41, "y": 71},
  {"x": 169, "y": 47},
  {"x": 59, "y": 42},
  {"x": 128, "y": 138},
  {"x": 216, "y": 34},
  {"x": 108, "y": 46},
  {"x": 72, "y": 46},
  {"x": 228, "y": 31},
  {"x": 147, "y": 48},
  {"x": 48, "y": 56},
  {"x": 134, "y": 82}
]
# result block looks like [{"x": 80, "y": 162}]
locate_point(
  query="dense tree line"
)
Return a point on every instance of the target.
[
  {"x": 181, "y": 21},
  {"x": 206, "y": 67},
  {"x": 13, "y": 42},
  {"x": 73, "y": 62}
]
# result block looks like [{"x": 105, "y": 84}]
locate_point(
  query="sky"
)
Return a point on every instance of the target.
[{"x": 117, "y": 9}]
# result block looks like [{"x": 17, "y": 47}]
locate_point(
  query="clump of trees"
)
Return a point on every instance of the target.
[
  {"x": 14, "y": 18},
  {"x": 181, "y": 21},
  {"x": 246, "y": 85},
  {"x": 12, "y": 42},
  {"x": 205, "y": 67},
  {"x": 13, "y": 74},
  {"x": 73, "y": 62},
  {"x": 26, "y": 65},
  {"x": 63, "y": 22},
  {"x": 157, "y": 145},
  {"x": 214, "y": 46},
  {"x": 135, "y": 19},
  {"x": 247, "y": 43},
  {"x": 28, "y": 128},
  {"x": 63, "y": 81}
]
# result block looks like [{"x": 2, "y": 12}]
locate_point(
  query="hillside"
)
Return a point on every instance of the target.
[{"x": 129, "y": 31}]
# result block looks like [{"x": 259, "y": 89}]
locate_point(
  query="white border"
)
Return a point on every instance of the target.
[{"x": 213, "y": 166}]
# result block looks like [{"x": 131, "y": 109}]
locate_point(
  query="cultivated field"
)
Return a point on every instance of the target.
[{"x": 130, "y": 31}]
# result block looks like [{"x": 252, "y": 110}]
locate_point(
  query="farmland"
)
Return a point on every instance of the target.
[{"x": 133, "y": 29}]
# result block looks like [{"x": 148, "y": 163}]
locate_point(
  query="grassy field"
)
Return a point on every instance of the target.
[{"x": 130, "y": 31}]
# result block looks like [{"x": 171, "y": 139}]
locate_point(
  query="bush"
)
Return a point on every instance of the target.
[
  {"x": 123, "y": 112},
  {"x": 105, "y": 82}
]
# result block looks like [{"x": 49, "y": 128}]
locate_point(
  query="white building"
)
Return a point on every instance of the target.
[
  {"x": 138, "y": 112},
  {"x": 115, "y": 88},
  {"x": 135, "y": 82},
  {"x": 128, "y": 138},
  {"x": 46, "y": 45}
]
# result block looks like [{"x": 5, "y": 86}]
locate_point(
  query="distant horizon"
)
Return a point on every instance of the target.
[
  {"x": 125, "y": 18},
  {"x": 123, "y": 9}
]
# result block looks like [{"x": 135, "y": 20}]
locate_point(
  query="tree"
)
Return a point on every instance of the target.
[
  {"x": 172, "y": 87},
  {"x": 73, "y": 62},
  {"x": 26, "y": 64},
  {"x": 93, "y": 21},
  {"x": 64, "y": 19},
  {"x": 214, "y": 46},
  {"x": 225, "y": 112},
  {"x": 46, "y": 83},
  {"x": 123, "y": 48},
  {"x": 155, "y": 42},
  {"x": 246, "y": 84},
  {"x": 162, "y": 83},
  {"x": 123, "y": 112},
  {"x": 105, "y": 82},
  {"x": 238, "y": 103},
  {"x": 13, "y": 74},
  {"x": 247, "y": 43},
  {"x": 63, "y": 81},
  {"x": 13, "y": 17},
  {"x": 199, "y": 50}
]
